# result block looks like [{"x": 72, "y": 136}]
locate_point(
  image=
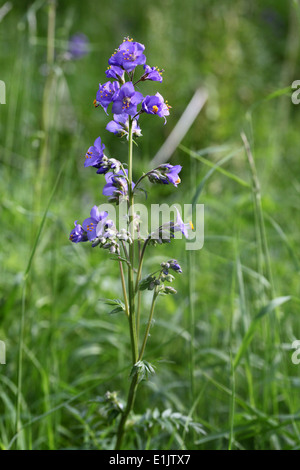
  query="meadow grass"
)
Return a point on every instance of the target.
[{"x": 222, "y": 346}]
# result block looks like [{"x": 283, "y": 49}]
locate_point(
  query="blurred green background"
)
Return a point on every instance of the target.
[{"x": 222, "y": 347}]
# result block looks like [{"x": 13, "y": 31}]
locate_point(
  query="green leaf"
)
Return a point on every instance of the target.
[
  {"x": 169, "y": 420},
  {"x": 116, "y": 310},
  {"x": 120, "y": 306},
  {"x": 145, "y": 283},
  {"x": 142, "y": 369},
  {"x": 211, "y": 171},
  {"x": 201, "y": 159}
]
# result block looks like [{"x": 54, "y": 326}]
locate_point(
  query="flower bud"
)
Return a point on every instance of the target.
[{"x": 170, "y": 290}]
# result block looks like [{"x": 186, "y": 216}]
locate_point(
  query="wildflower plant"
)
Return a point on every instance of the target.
[{"x": 127, "y": 105}]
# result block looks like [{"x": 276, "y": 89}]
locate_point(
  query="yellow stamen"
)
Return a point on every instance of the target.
[
  {"x": 155, "y": 109},
  {"x": 191, "y": 225}
]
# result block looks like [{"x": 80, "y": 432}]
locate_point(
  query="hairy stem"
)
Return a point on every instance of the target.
[
  {"x": 155, "y": 294},
  {"x": 129, "y": 406},
  {"x": 131, "y": 295},
  {"x": 138, "y": 277},
  {"x": 132, "y": 322},
  {"x": 124, "y": 289}
]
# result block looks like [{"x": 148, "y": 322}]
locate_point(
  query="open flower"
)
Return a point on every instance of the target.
[
  {"x": 105, "y": 94},
  {"x": 180, "y": 226},
  {"x": 126, "y": 100},
  {"x": 120, "y": 126},
  {"x": 94, "y": 155},
  {"x": 171, "y": 173},
  {"x": 155, "y": 104},
  {"x": 165, "y": 174},
  {"x": 78, "y": 234},
  {"x": 165, "y": 232},
  {"x": 116, "y": 72},
  {"x": 128, "y": 55},
  {"x": 152, "y": 73},
  {"x": 90, "y": 224}
]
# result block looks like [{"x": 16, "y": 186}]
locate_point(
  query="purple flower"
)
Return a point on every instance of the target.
[
  {"x": 165, "y": 232},
  {"x": 94, "y": 155},
  {"x": 128, "y": 55},
  {"x": 78, "y": 234},
  {"x": 106, "y": 94},
  {"x": 105, "y": 228},
  {"x": 165, "y": 174},
  {"x": 126, "y": 100},
  {"x": 90, "y": 224},
  {"x": 116, "y": 72},
  {"x": 180, "y": 226},
  {"x": 155, "y": 105},
  {"x": 173, "y": 264},
  {"x": 152, "y": 73},
  {"x": 116, "y": 185},
  {"x": 172, "y": 173},
  {"x": 120, "y": 126},
  {"x": 78, "y": 46}
]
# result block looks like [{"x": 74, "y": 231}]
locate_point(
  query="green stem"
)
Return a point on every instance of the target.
[
  {"x": 131, "y": 295},
  {"x": 124, "y": 289},
  {"x": 125, "y": 250},
  {"x": 48, "y": 103},
  {"x": 132, "y": 322},
  {"x": 155, "y": 294},
  {"x": 138, "y": 315},
  {"x": 51, "y": 33},
  {"x": 139, "y": 299},
  {"x": 134, "y": 382},
  {"x": 138, "y": 276},
  {"x": 129, "y": 406},
  {"x": 20, "y": 362},
  {"x": 144, "y": 176}
]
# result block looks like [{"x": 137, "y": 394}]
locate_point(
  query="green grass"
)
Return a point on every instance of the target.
[{"x": 222, "y": 346}]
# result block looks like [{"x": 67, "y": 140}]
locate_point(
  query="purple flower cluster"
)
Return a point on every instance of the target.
[
  {"x": 98, "y": 229},
  {"x": 123, "y": 95},
  {"x": 128, "y": 55},
  {"x": 127, "y": 105}
]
